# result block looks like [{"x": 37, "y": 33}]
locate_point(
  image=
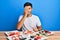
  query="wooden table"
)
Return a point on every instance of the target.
[
  {"x": 3, "y": 36},
  {"x": 56, "y": 36}
]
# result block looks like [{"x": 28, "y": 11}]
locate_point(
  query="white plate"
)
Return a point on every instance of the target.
[{"x": 7, "y": 33}]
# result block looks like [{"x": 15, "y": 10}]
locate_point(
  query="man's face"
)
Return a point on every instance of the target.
[{"x": 28, "y": 9}]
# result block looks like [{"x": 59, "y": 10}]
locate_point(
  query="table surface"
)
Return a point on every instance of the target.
[{"x": 56, "y": 36}]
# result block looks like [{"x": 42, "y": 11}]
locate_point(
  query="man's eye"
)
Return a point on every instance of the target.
[{"x": 29, "y": 8}]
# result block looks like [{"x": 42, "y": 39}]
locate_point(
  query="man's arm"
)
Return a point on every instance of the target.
[
  {"x": 20, "y": 23},
  {"x": 39, "y": 24}
]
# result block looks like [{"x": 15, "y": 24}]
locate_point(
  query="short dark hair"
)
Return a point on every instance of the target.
[{"x": 28, "y": 4}]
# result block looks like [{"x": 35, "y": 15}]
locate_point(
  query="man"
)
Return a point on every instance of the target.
[{"x": 28, "y": 21}]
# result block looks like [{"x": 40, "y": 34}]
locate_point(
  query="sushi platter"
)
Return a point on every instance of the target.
[{"x": 28, "y": 35}]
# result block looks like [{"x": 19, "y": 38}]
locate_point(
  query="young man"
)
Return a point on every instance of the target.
[{"x": 28, "y": 21}]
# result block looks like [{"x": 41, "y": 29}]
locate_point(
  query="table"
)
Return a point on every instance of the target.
[
  {"x": 56, "y": 36},
  {"x": 3, "y": 36}
]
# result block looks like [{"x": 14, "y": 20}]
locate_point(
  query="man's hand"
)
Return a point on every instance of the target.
[
  {"x": 39, "y": 28},
  {"x": 25, "y": 13},
  {"x": 35, "y": 29}
]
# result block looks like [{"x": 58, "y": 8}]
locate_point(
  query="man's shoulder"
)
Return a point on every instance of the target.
[
  {"x": 35, "y": 16},
  {"x": 21, "y": 16}
]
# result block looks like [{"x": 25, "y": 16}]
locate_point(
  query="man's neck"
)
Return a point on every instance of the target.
[{"x": 29, "y": 15}]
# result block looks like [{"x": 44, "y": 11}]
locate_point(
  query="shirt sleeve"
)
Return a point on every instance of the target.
[
  {"x": 38, "y": 22},
  {"x": 20, "y": 17}
]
